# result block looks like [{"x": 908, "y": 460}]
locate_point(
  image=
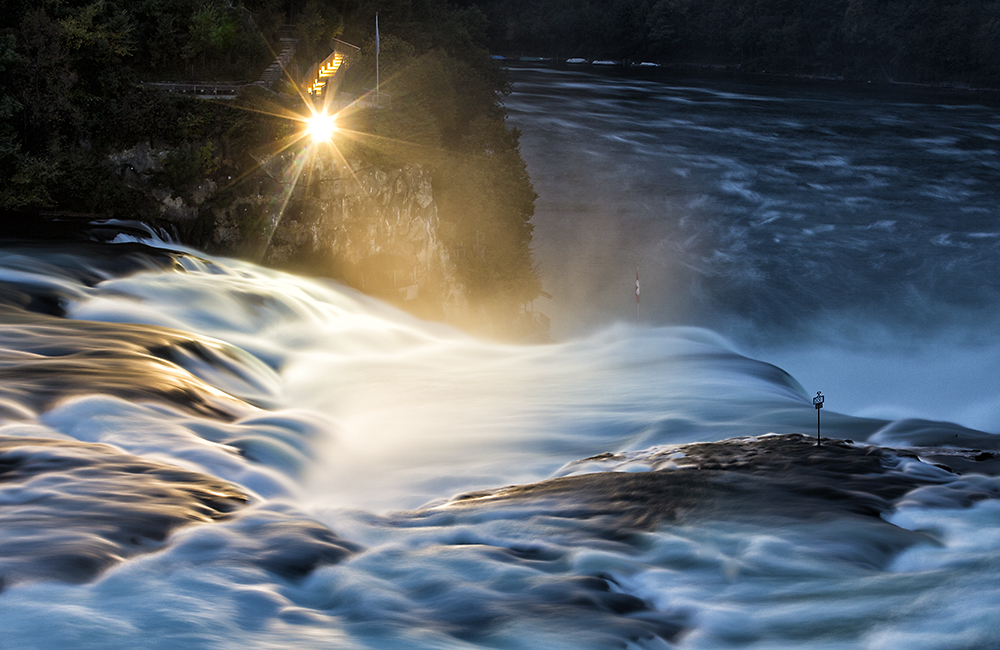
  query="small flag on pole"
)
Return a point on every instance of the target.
[
  {"x": 377, "y": 45},
  {"x": 637, "y": 285}
]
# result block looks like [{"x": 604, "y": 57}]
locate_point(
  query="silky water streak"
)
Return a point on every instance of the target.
[{"x": 340, "y": 475}]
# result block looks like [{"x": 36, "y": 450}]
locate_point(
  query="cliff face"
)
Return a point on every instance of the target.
[
  {"x": 373, "y": 228},
  {"x": 376, "y": 228}
]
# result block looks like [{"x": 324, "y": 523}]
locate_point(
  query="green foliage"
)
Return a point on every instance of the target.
[
  {"x": 28, "y": 184},
  {"x": 488, "y": 197},
  {"x": 203, "y": 40},
  {"x": 68, "y": 92},
  {"x": 315, "y": 24},
  {"x": 212, "y": 32},
  {"x": 102, "y": 31},
  {"x": 187, "y": 164}
]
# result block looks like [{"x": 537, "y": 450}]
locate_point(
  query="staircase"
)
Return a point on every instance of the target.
[
  {"x": 273, "y": 71},
  {"x": 320, "y": 74}
]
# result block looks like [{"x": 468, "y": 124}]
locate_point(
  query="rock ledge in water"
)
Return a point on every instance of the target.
[
  {"x": 770, "y": 477},
  {"x": 69, "y": 510}
]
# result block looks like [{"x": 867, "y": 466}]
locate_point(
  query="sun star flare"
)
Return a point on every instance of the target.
[{"x": 321, "y": 127}]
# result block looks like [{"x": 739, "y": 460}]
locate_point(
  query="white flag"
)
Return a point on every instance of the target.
[
  {"x": 637, "y": 286},
  {"x": 376, "y": 35}
]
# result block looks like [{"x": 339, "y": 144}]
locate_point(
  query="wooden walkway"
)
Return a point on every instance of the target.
[
  {"x": 200, "y": 89},
  {"x": 322, "y": 73},
  {"x": 320, "y": 76}
]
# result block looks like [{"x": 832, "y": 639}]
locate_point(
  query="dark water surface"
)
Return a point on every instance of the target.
[{"x": 809, "y": 222}]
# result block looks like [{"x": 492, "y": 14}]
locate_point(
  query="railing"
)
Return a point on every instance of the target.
[
  {"x": 338, "y": 44},
  {"x": 318, "y": 78},
  {"x": 229, "y": 89},
  {"x": 204, "y": 89}
]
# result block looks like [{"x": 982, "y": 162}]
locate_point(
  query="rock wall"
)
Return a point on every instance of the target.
[{"x": 374, "y": 228}]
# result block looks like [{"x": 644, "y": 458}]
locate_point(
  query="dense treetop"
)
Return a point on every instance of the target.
[{"x": 882, "y": 40}]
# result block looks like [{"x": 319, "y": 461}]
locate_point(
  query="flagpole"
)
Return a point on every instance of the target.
[{"x": 377, "y": 48}]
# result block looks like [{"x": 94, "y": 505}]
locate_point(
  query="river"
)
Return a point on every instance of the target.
[
  {"x": 847, "y": 233},
  {"x": 197, "y": 452}
]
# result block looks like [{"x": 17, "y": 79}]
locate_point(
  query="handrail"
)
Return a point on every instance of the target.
[
  {"x": 350, "y": 45},
  {"x": 200, "y": 88}
]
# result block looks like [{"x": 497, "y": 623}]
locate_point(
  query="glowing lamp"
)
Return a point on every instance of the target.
[{"x": 321, "y": 127}]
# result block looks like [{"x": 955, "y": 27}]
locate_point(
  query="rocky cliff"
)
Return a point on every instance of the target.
[{"x": 373, "y": 228}]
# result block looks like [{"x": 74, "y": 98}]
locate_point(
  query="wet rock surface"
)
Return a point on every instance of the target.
[
  {"x": 770, "y": 477},
  {"x": 69, "y": 510},
  {"x": 44, "y": 360}
]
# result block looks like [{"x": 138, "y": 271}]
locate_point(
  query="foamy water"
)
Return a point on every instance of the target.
[
  {"x": 201, "y": 453},
  {"x": 306, "y": 442},
  {"x": 847, "y": 234}
]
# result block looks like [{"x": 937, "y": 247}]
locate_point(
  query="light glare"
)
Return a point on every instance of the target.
[{"x": 321, "y": 127}]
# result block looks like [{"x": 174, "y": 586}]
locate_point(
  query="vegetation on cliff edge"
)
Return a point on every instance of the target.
[{"x": 71, "y": 101}]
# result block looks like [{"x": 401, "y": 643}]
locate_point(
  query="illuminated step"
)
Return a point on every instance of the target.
[{"x": 327, "y": 69}]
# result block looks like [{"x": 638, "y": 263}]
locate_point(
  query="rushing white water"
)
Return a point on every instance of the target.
[
  {"x": 347, "y": 425},
  {"x": 402, "y": 398},
  {"x": 200, "y": 453},
  {"x": 848, "y": 235}
]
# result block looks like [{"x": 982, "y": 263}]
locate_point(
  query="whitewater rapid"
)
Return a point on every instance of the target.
[
  {"x": 201, "y": 453},
  {"x": 845, "y": 233}
]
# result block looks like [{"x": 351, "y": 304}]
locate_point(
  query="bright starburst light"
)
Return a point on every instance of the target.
[
  {"x": 325, "y": 130},
  {"x": 321, "y": 126},
  {"x": 315, "y": 143}
]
